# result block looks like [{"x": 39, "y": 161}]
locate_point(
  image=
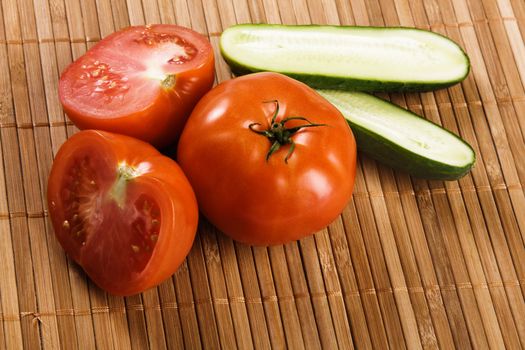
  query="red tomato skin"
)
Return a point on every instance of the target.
[
  {"x": 261, "y": 202},
  {"x": 163, "y": 180},
  {"x": 162, "y": 120}
]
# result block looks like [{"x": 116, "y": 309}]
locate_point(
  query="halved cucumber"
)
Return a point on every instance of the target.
[
  {"x": 349, "y": 58},
  {"x": 402, "y": 139}
]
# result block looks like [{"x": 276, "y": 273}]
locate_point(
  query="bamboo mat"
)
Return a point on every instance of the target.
[{"x": 408, "y": 264}]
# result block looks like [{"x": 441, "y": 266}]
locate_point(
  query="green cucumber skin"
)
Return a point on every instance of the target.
[
  {"x": 390, "y": 153},
  {"x": 345, "y": 83},
  {"x": 399, "y": 158}
]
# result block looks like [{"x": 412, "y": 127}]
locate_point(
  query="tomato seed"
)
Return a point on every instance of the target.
[
  {"x": 65, "y": 225},
  {"x": 135, "y": 248},
  {"x": 154, "y": 238}
]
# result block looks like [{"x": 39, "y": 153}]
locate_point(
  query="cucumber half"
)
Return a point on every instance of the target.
[
  {"x": 349, "y": 58},
  {"x": 402, "y": 139}
]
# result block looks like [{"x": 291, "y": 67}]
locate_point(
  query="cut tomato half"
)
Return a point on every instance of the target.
[
  {"x": 142, "y": 81},
  {"x": 121, "y": 210}
]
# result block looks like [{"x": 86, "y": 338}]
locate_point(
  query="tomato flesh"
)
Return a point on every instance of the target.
[
  {"x": 142, "y": 81},
  {"x": 98, "y": 223},
  {"x": 112, "y": 218}
]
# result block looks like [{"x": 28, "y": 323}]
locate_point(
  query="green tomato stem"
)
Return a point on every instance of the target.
[{"x": 278, "y": 134}]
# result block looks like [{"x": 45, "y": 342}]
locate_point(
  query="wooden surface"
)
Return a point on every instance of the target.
[{"x": 408, "y": 264}]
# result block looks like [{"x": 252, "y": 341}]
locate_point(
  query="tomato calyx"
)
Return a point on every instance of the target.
[{"x": 278, "y": 134}]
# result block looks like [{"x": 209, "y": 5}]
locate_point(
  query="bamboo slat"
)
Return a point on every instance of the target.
[{"x": 409, "y": 263}]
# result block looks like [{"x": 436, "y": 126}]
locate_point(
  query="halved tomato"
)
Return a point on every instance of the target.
[
  {"x": 121, "y": 210},
  {"x": 142, "y": 81}
]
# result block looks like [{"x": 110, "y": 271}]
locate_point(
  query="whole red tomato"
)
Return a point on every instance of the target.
[
  {"x": 121, "y": 210},
  {"x": 269, "y": 159},
  {"x": 142, "y": 81}
]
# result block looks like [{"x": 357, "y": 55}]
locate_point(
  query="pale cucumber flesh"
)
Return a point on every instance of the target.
[
  {"x": 377, "y": 56},
  {"x": 382, "y": 127}
]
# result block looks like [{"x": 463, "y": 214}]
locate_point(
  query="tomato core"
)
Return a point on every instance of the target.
[{"x": 118, "y": 190}]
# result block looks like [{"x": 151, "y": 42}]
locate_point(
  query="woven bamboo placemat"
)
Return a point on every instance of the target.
[{"x": 408, "y": 264}]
